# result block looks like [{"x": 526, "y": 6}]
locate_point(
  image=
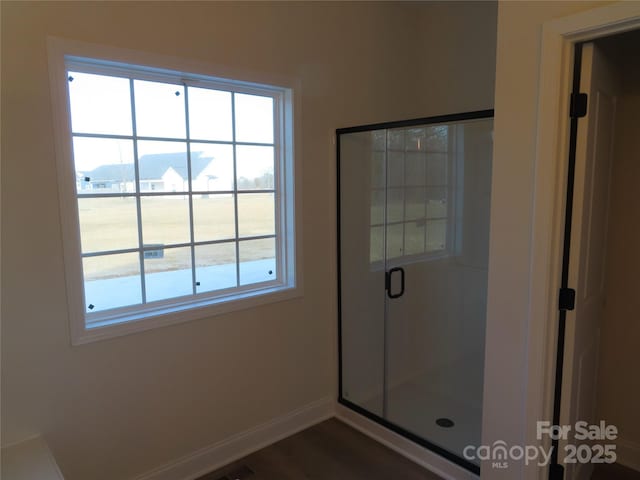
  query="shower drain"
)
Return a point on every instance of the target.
[{"x": 445, "y": 422}]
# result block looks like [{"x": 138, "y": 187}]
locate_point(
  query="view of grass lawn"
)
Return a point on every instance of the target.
[{"x": 111, "y": 223}]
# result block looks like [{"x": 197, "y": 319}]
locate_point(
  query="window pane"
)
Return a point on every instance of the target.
[
  {"x": 209, "y": 114},
  {"x": 436, "y": 202},
  {"x": 111, "y": 281},
  {"x": 213, "y": 217},
  {"x": 257, "y": 261},
  {"x": 165, "y": 220},
  {"x": 395, "y": 240},
  {"x": 103, "y": 165},
  {"x": 395, "y": 140},
  {"x": 377, "y": 207},
  {"x": 395, "y": 169},
  {"x": 414, "y": 237},
  {"x": 163, "y": 166},
  {"x": 379, "y": 140},
  {"x": 415, "y": 139},
  {"x": 254, "y": 118},
  {"x": 215, "y": 267},
  {"x": 395, "y": 205},
  {"x": 437, "y": 138},
  {"x": 256, "y": 214},
  {"x": 254, "y": 167},
  {"x": 159, "y": 109},
  {"x": 99, "y": 104},
  {"x": 377, "y": 169},
  {"x": 437, "y": 169},
  {"x": 376, "y": 244},
  {"x": 415, "y": 169},
  {"x": 211, "y": 167},
  {"x": 167, "y": 273},
  {"x": 436, "y": 235},
  {"x": 108, "y": 223},
  {"x": 415, "y": 203}
]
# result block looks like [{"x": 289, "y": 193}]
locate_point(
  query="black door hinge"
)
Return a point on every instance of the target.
[
  {"x": 556, "y": 472},
  {"x": 578, "y": 107},
  {"x": 567, "y": 299}
]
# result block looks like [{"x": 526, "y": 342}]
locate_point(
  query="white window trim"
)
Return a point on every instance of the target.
[{"x": 288, "y": 202}]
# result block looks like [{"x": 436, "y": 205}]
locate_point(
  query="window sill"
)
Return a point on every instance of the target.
[{"x": 172, "y": 315}]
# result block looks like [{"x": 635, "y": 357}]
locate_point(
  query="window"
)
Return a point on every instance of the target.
[{"x": 182, "y": 188}]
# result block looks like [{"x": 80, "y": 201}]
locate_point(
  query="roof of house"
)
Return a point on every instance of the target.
[{"x": 152, "y": 167}]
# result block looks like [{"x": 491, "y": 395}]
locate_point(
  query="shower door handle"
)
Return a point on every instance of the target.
[{"x": 388, "y": 282}]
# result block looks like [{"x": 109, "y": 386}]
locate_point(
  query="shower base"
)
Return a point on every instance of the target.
[{"x": 427, "y": 408}]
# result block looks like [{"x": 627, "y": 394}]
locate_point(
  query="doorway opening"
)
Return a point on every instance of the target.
[{"x": 599, "y": 325}]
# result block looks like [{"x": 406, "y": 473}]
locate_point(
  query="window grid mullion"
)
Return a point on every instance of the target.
[
  {"x": 404, "y": 194},
  {"x": 169, "y": 139},
  {"x": 235, "y": 185},
  {"x": 190, "y": 184},
  {"x": 102, "y": 253},
  {"x": 279, "y": 220},
  {"x": 136, "y": 169},
  {"x": 172, "y": 194},
  {"x": 452, "y": 171},
  {"x": 425, "y": 200}
]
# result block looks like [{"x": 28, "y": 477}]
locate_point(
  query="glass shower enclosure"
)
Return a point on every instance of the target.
[{"x": 413, "y": 237}]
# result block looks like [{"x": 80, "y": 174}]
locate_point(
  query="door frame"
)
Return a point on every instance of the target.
[{"x": 559, "y": 38}]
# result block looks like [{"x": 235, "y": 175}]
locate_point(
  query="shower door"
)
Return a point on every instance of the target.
[{"x": 414, "y": 226}]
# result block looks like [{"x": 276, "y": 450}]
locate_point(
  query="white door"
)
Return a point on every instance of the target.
[{"x": 588, "y": 238}]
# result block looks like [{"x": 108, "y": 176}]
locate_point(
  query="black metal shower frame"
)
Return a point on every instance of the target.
[{"x": 456, "y": 117}]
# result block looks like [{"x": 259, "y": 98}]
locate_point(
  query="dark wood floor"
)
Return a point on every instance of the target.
[
  {"x": 332, "y": 450},
  {"x": 614, "y": 472},
  {"x": 328, "y": 451}
]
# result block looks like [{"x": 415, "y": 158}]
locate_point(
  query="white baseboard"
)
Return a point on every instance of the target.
[
  {"x": 414, "y": 452},
  {"x": 628, "y": 453},
  {"x": 30, "y": 459},
  {"x": 237, "y": 446}
]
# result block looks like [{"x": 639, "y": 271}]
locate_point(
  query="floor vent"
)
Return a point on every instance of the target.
[{"x": 445, "y": 422}]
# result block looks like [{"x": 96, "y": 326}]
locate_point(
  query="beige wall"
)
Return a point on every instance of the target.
[
  {"x": 516, "y": 103},
  {"x": 116, "y": 408},
  {"x": 618, "y": 381}
]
